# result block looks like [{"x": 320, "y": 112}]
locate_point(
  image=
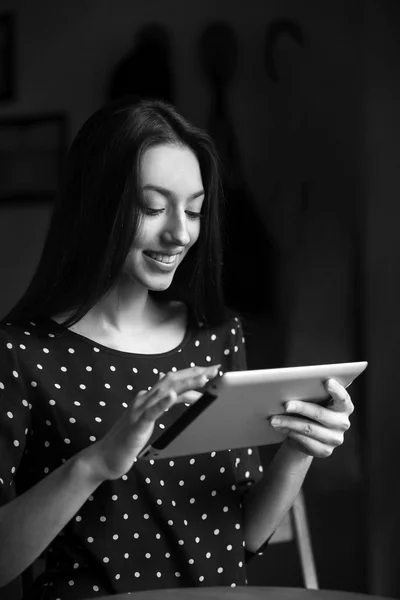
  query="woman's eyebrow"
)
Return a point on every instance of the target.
[{"x": 169, "y": 193}]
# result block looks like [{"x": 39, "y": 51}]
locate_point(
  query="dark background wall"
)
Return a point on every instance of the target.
[{"x": 319, "y": 151}]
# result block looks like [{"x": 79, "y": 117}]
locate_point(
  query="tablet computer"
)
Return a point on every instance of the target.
[{"x": 233, "y": 409}]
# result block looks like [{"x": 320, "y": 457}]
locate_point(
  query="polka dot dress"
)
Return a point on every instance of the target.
[{"x": 166, "y": 523}]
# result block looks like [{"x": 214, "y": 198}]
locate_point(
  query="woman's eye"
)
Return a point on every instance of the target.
[
  {"x": 194, "y": 215},
  {"x": 152, "y": 211}
]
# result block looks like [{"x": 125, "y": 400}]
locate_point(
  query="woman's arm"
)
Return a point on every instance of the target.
[
  {"x": 30, "y": 522},
  {"x": 266, "y": 502},
  {"x": 312, "y": 430}
]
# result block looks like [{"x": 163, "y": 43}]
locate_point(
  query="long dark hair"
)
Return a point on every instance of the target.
[{"x": 98, "y": 214}]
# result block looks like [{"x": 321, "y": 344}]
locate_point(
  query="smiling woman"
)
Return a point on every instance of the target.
[{"x": 122, "y": 326}]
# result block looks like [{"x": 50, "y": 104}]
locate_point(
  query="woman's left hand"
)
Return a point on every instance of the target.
[{"x": 314, "y": 429}]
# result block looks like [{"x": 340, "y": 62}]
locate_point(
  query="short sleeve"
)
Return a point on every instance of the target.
[
  {"x": 247, "y": 464},
  {"x": 14, "y": 417}
]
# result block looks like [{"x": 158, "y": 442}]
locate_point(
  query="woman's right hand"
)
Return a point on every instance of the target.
[{"x": 113, "y": 455}]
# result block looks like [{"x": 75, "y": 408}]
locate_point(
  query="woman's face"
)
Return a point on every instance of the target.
[{"x": 173, "y": 195}]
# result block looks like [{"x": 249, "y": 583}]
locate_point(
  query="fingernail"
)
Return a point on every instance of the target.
[
  {"x": 275, "y": 422},
  {"x": 290, "y": 406}
]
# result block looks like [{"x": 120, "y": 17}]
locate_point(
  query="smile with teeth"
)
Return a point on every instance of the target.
[{"x": 165, "y": 258}]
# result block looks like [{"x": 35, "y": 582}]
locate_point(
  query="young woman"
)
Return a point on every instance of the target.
[{"x": 121, "y": 327}]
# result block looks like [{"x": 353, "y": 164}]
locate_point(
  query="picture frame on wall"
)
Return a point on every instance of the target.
[
  {"x": 32, "y": 155},
  {"x": 7, "y": 79}
]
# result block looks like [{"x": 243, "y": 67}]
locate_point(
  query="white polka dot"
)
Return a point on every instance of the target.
[
  {"x": 155, "y": 371},
  {"x": 129, "y": 387},
  {"x": 134, "y": 370},
  {"x": 225, "y": 509},
  {"x": 10, "y": 415},
  {"x": 57, "y": 385},
  {"x": 213, "y": 454},
  {"x": 135, "y": 496},
  {"x": 67, "y": 440},
  {"x": 181, "y": 542},
  {"x": 64, "y": 369},
  {"x": 33, "y": 383},
  {"x": 261, "y": 469},
  {"x": 103, "y": 519},
  {"x": 126, "y": 516},
  {"x": 208, "y": 358},
  {"x": 229, "y": 547},
  {"x": 247, "y": 474},
  {"x": 197, "y": 343},
  {"x": 145, "y": 516},
  {"x": 124, "y": 404},
  {"x": 78, "y": 518},
  {"x": 39, "y": 366},
  {"x": 148, "y": 555},
  {"x": 126, "y": 555},
  {"x": 213, "y": 337},
  {"x": 96, "y": 349},
  {"x": 97, "y": 419},
  {"x": 114, "y": 497},
  {"x": 92, "y": 438},
  {"x": 137, "y": 574},
  {"x": 201, "y": 578},
  {"x": 171, "y": 463},
  {"x": 159, "y": 502},
  {"x": 158, "y": 574},
  {"x": 192, "y": 461},
  {"x": 77, "y": 403},
  {"x": 71, "y": 582},
  {"x": 158, "y": 536},
  {"x": 192, "y": 500},
  {"x": 106, "y": 559},
  {"x": 27, "y": 333},
  {"x": 96, "y": 588},
  {"x": 197, "y": 540},
  {"x": 216, "y": 531},
  {"x": 107, "y": 385},
  {"x": 136, "y": 536},
  {"x": 16, "y": 443},
  {"x": 177, "y": 574},
  {"x": 161, "y": 425},
  {"x": 117, "y": 576},
  {"x": 46, "y": 350},
  {"x": 240, "y": 564},
  {"x": 48, "y": 423},
  {"x": 90, "y": 540},
  {"x": 124, "y": 477},
  {"x": 1, "y": 385},
  {"x": 71, "y": 350},
  {"x": 227, "y": 351},
  {"x": 9, "y": 346},
  {"x": 237, "y": 526},
  {"x": 192, "y": 364},
  {"x": 82, "y": 386},
  {"x": 250, "y": 451},
  {"x": 47, "y": 444},
  {"x": 76, "y": 565},
  {"x": 170, "y": 522},
  {"x": 88, "y": 368},
  {"x": 191, "y": 561},
  {"x": 13, "y": 470},
  {"x": 202, "y": 477},
  {"x": 233, "y": 331},
  {"x": 102, "y": 403},
  {"x": 115, "y": 536},
  {"x": 233, "y": 584},
  {"x": 220, "y": 569},
  {"x": 15, "y": 373},
  {"x": 181, "y": 483},
  {"x": 112, "y": 368},
  {"x": 222, "y": 470},
  {"x": 204, "y": 516}
]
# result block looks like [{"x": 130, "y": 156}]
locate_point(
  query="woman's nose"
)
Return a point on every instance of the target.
[{"x": 177, "y": 232}]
